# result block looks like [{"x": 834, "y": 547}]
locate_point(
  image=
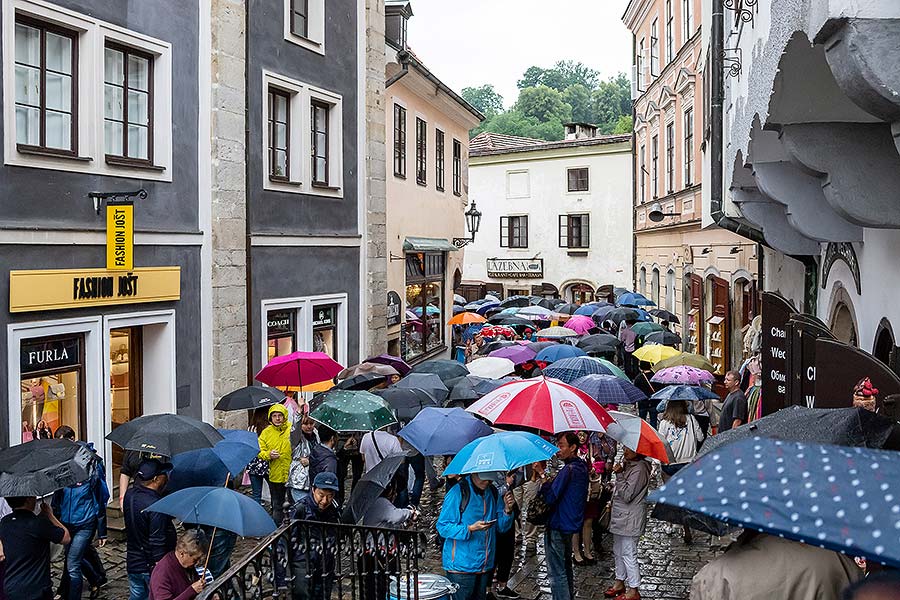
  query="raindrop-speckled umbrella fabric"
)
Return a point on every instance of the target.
[{"x": 347, "y": 411}]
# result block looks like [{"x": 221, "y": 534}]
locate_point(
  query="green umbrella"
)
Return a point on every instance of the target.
[
  {"x": 346, "y": 410},
  {"x": 612, "y": 367},
  {"x": 687, "y": 359},
  {"x": 645, "y": 327}
]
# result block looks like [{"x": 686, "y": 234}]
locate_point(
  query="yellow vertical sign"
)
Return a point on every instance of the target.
[{"x": 119, "y": 237}]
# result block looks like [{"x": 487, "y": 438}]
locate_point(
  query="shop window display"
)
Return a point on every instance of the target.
[
  {"x": 425, "y": 323},
  {"x": 51, "y": 386}
]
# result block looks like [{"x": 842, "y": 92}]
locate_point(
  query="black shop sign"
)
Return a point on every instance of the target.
[
  {"x": 804, "y": 330},
  {"x": 44, "y": 355},
  {"x": 280, "y": 322},
  {"x": 394, "y": 308},
  {"x": 323, "y": 316},
  {"x": 776, "y": 313}
]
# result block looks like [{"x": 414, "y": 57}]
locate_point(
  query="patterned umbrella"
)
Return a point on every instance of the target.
[
  {"x": 555, "y": 352},
  {"x": 491, "y": 367},
  {"x": 843, "y": 499},
  {"x": 684, "y": 375},
  {"x": 466, "y": 318},
  {"x": 636, "y": 434},
  {"x": 580, "y": 324},
  {"x": 653, "y": 353},
  {"x": 517, "y": 353},
  {"x": 647, "y": 327},
  {"x": 298, "y": 369},
  {"x": 556, "y": 332},
  {"x": 570, "y": 369},
  {"x": 609, "y": 389},
  {"x": 493, "y": 331},
  {"x": 686, "y": 359},
  {"x": 543, "y": 404},
  {"x": 688, "y": 393},
  {"x": 346, "y": 411}
]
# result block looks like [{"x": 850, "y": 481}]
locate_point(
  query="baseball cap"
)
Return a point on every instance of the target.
[
  {"x": 326, "y": 481},
  {"x": 152, "y": 467}
]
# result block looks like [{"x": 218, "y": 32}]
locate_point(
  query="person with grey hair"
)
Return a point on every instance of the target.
[{"x": 174, "y": 577}]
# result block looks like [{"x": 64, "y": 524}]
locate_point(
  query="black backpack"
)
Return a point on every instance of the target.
[{"x": 465, "y": 492}]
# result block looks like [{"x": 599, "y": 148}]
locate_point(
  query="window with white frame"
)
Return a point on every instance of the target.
[
  {"x": 654, "y": 166},
  {"x": 639, "y": 67},
  {"x": 670, "y": 158},
  {"x": 654, "y": 48},
  {"x": 670, "y": 32},
  {"x": 84, "y": 95},
  {"x": 301, "y": 124},
  {"x": 687, "y": 20},
  {"x": 439, "y": 160},
  {"x": 421, "y": 151},
  {"x": 304, "y": 24},
  {"x": 642, "y": 281},
  {"x": 688, "y": 147},
  {"x": 457, "y": 167},
  {"x": 654, "y": 286},
  {"x": 643, "y": 173}
]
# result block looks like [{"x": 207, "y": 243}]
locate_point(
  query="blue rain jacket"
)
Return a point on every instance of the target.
[{"x": 81, "y": 503}]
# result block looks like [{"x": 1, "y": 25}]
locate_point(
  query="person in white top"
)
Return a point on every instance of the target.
[
  {"x": 376, "y": 445},
  {"x": 682, "y": 431}
]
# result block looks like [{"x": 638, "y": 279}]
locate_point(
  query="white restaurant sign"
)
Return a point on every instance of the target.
[{"x": 515, "y": 268}]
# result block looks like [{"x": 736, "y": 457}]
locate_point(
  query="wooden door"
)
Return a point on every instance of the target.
[{"x": 697, "y": 320}]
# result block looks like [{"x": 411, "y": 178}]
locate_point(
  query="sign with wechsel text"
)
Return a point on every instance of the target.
[
  {"x": 120, "y": 237},
  {"x": 57, "y": 289}
]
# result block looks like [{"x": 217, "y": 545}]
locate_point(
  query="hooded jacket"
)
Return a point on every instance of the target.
[
  {"x": 279, "y": 439},
  {"x": 82, "y": 503}
]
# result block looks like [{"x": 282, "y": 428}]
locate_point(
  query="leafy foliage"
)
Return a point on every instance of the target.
[{"x": 568, "y": 91}]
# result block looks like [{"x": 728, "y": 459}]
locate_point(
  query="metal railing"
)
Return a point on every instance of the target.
[{"x": 322, "y": 561}]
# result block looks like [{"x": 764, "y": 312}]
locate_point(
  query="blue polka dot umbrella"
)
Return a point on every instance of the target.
[{"x": 835, "y": 497}]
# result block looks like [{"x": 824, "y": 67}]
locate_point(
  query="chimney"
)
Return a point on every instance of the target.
[
  {"x": 396, "y": 17},
  {"x": 580, "y": 131}
]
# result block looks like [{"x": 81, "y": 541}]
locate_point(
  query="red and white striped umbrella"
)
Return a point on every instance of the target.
[
  {"x": 542, "y": 403},
  {"x": 636, "y": 434}
]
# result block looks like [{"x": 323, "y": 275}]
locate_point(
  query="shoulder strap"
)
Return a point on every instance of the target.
[
  {"x": 465, "y": 492},
  {"x": 377, "y": 449}
]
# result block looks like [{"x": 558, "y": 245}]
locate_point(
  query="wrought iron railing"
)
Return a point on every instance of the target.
[{"x": 326, "y": 561}]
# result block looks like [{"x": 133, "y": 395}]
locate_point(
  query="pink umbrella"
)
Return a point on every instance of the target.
[
  {"x": 298, "y": 369},
  {"x": 580, "y": 324},
  {"x": 683, "y": 375}
]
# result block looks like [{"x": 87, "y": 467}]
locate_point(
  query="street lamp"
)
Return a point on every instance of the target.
[
  {"x": 656, "y": 213},
  {"x": 473, "y": 222}
]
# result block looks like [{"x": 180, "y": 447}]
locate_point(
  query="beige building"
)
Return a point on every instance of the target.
[
  {"x": 427, "y": 127},
  {"x": 705, "y": 275}
]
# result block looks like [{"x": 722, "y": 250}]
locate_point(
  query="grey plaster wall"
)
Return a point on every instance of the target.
[
  {"x": 45, "y": 198},
  {"x": 336, "y": 71},
  {"x": 290, "y": 272},
  {"x": 187, "y": 310}
]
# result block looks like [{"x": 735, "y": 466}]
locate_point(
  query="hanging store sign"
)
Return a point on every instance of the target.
[
  {"x": 58, "y": 289},
  {"x": 120, "y": 237},
  {"x": 514, "y": 268},
  {"x": 776, "y": 312},
  {"x": 394, "y": 307}
]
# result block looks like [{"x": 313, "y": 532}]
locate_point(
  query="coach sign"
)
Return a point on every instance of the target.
[{"x": 515, "y": 268}]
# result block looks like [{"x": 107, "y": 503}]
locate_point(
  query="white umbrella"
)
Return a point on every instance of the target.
[
  {"x": 635, "y": 433},
  {"x": 491, "y": 367},
  {"x": 492, "y": 298}
]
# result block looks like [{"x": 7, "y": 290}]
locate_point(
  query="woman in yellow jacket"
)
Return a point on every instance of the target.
[{"x": 275, "y": 447}]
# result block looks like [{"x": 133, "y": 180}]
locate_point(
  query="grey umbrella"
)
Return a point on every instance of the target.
[
  {"x": 41, "y": 467},
  {"x": 429, "y": 382}
]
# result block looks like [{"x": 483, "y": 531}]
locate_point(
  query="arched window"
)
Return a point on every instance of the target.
[
  {"x": 842, "y": 325},
  {"x": 642, "y": 281},
  {"x": 654, "y": 286},
  {"x": 670, "y": 291},
  {"x": 884, "y": 342}
]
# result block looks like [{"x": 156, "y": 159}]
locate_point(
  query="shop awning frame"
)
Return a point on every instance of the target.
[{"x": 422, "y": 244}]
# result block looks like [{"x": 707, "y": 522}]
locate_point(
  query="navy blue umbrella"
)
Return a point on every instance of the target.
[
  {"x": 212, "y": 466},
  {"x": 835, "y": 497},
  {"x": 559, "y": 352},
  {"x": 217, "y": 507},
  {"x": 609, "y": 389}
]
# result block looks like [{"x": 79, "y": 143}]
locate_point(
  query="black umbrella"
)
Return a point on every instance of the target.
[
  {"x": 622, "y": 314},
  {"x": 444, "y": 368},
  {"x": 599, "y": 342},
  {"x": 495, "y": 345},
  {"x": 429, "y": 382},
  {"x": 406, "y": 402},
  {"x": 363, "y": 381},
  {"x": 472, "y": 388},
  {"x": 666, "y": 338},
  {"x": 165, "y": 434},
  {"x": 664, "y": 315},
  {"x": 567, "y": 309},
  {"x": 547, "y": 303},
  {"x": 516, "y": 302},
  {"x": 372, "y": 484},
  {"x": 250, "y": 397},
  {"x": 538, "y": 346},
  {"x": 41, "y": 467}
]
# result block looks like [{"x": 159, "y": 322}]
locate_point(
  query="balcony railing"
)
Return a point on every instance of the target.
[{"x": 325, "y": 560}]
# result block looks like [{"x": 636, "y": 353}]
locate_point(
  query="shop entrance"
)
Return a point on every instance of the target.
[
  {"x": 125, "y": 382},
  {"x": 52, "y": 386}
]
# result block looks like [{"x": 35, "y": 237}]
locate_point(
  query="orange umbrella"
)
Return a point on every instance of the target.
[{"x": 466, "y": 318}]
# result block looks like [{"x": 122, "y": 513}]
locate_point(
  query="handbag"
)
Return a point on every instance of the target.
[
  {"x": 538, "y": 511},
  {"x": 605, "y": 517}
]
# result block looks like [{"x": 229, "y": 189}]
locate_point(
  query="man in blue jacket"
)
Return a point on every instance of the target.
[
  {"x": 471, "y": 516},
  {"x": 82, "y": 510},
  {"x": 567, "y": 495}
]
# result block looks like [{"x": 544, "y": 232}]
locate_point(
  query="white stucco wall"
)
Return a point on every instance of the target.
[{"x": 609, "y": 258}]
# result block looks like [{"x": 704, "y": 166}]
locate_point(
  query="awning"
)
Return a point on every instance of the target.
[{"x": 421, "y": 244}]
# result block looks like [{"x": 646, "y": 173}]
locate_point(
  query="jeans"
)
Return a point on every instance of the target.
[
  {"x": 417, "y": 463},
  {"x": 348, "y": 458},
  {"x": 256, "y": 487},
  {"x": 647, "y": 411},
  {"x": 82, "y": 535},
  {"x": 558, "y": 549},
  {"x": 138, "y": 586},
  {"x": 298, "y": 495},
  {"x": 277, "y": 490},
  {"x": 625, "y": 553},
  {"x": 222, "y": 546},
  {"x": 472, "y": 586}
]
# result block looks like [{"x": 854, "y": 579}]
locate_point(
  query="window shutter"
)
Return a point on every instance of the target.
[
  {"x": 563, "y": 231},
  {"x": 585, "y": 231},
  {"x": 504, "y": 232},
  {"x": 524, "y": 231}
]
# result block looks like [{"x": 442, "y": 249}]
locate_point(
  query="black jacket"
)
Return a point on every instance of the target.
[
  {"x": 322, "y": 459},
  {"x": 151, "y": 535}
]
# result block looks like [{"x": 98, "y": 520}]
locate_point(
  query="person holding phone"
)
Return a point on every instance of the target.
[{"x": 472, "y": 514}]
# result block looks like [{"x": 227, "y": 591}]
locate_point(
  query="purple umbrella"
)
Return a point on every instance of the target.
[
  {"x": 393, "y": 361},
  {"x": 683, "y": 375},
  {"x": 518, "y": 354}
]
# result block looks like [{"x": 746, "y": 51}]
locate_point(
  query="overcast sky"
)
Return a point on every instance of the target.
[{"x": 467, "y": 43}]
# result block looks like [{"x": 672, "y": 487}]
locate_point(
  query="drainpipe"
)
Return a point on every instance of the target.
[
  {"x": 716, "y": 131},
  {"x": 403, "y": 59},
  {"x": 635, "y": 173}
]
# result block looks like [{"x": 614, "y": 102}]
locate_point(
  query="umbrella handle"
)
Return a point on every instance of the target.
[
  {"x": 213, "y": 536},
  {"x": 644, "y": 375}
]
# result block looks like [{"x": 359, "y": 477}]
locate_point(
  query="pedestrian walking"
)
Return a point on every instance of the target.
[
  {"x": 27, "y": 538},
  {"x": 506, "y": 544},
  {"x": 567, "y": 496},
  {"x": 298, "y": 477},
  {"x": 313, "y": 570},
  {"x": 322, "y": 458},
  {"x": 646, "y": 408},
  {"x": 470, "y": 518},
  {"x": 682, "y": 430},
  {"x": 523, "y": 495},
  {"x": 275, "y": 447},
  {"x": 258, "y": 469},
  {"x": 349, "y": 458},
  {"x": 628, "y": 519},
  {"x": 375, "y": 445},
  {"x": 175, "y": 576},
  {"x": 379, "y": 570},
  {"x": 150, "y": 535},
  {"x": 734, "y": 411},
  {"x": 81, "y": 508}
]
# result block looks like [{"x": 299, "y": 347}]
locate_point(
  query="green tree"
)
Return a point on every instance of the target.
[
  {"x": 485, "y": 98},
  {"x": 544, "y": 104},
  {"x": 560, "y": 76},
  {"x": 625, "y": 124},
  {"x": 579, "y": 98},
  {"x": 611, "y": 100},
  {"x": 533, "y": 77}
]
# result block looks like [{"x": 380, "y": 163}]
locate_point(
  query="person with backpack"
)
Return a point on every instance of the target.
[{"x": 470, "y": 518}]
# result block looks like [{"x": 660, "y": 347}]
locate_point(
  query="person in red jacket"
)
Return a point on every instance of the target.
[{"x": 174, "y": 576}]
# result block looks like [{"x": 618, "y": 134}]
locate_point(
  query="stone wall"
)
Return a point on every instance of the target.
[{"x": 376, "y": 192}]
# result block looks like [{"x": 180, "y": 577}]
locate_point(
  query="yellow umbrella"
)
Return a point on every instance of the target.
[
  {"x": 466, "y": 318},
  {"x": 653, "y": 353}
]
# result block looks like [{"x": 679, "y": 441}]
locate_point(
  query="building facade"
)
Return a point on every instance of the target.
[
  {"x": 427, "y": 127},
  {"x": 704, "y": 274},
  {"x": 556, "y": 219},
  {"x": 810, "y": 156}
]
